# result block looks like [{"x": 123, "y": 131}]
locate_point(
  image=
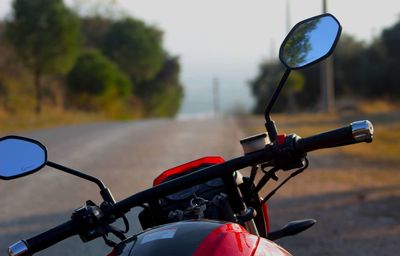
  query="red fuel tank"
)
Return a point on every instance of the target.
[{"x": 198, "y": 237}]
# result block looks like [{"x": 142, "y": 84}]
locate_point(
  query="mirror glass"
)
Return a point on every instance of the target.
[
  {"x": 309, "y": 41},
  {"x": 19, "y": 156}
]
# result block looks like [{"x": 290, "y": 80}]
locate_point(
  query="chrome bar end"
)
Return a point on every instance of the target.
[
  {"x": 18, "y": 249},
  {"x": 363, "y": 131}
]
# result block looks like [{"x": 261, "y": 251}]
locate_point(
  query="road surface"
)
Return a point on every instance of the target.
[{"x": 127, "y": 156}]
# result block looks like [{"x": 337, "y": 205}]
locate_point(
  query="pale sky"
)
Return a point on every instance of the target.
[{"x": 229, "y": 39}]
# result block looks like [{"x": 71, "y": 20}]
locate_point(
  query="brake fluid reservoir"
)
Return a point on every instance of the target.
[{"x": 255, "y": 142}]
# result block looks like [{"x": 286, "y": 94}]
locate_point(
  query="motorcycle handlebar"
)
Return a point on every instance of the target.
[
  {"x": 359, "y": 131},
  {"x": 44, "y": 240}
]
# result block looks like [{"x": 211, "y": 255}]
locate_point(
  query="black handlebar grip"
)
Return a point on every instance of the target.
[
  {"x": 359, "y": 131},
  {"x": 44, "y": 240}
]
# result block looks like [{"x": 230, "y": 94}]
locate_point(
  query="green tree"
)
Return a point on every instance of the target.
[
  {"x": 96, "y": 83},
  {"x": 94, "y": 30},
  {"x": 263, "y": 86},
  {"x": 294, "y": 84},
  {"x": 301, "y": 86},
  {"x": 46, "y": 37},
  {"x": 4, "y": 69},
  {"x": 350, "y": 67},
  {"x": 136, "y": 48},
  {"x": 391, "y": 55},
  {"x": 162, "y": 96},
  {"x": 99, "y": 8}
]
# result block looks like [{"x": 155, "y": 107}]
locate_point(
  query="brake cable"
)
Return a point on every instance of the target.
[
  {"x": 253, "y": 174},
  {"x": 268, "y": 175},
  {"x": 293, "y": 174}
]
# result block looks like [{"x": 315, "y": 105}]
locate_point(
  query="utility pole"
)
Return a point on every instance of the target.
[
  {"x": 291, "y": 93},
  {"x": 288, "y": 17},
  {"x": 216, "y": 95},
  {"x": 327, "y": 100}
]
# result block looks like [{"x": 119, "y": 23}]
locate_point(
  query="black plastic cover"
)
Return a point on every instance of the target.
[{"x": 180, "y": 238}]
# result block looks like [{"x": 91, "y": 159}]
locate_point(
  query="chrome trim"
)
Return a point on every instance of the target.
[
  {"x": 362, "y": 130},
  {"x": 18, "y": 249}
]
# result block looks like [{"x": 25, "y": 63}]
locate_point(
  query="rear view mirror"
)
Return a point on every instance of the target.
[
  {"x": 310, "y": 41},
  {"x": 20, "y": 156}
]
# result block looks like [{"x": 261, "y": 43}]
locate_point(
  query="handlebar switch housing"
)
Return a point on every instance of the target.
[
  {"x": 88, "y": 216},
  {"x": 287, "y": 157}
]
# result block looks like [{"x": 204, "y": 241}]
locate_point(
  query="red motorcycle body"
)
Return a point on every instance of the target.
[{"x": 198, "y": 237}]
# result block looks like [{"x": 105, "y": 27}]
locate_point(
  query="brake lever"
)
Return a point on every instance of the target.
[{"x": 105, "y": 230}]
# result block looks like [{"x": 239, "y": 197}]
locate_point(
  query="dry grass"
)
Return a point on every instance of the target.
[
  {"x": 48, "y": 118},
  {"x": 383, "y": 151}
]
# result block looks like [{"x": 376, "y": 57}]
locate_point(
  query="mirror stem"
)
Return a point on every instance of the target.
[
  {"x": 269, "y": 124},
  {"x": 104, "y": 191}
]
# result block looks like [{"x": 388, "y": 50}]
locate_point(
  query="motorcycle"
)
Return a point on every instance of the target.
[{"x": 206, "y": 206}]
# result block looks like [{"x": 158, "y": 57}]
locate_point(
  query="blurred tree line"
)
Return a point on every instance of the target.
[
  {"x": 51, "y": 56},
  {"x": 361, "y": 71}
]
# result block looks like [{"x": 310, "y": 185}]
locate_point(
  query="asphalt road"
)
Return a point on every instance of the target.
[{"x": 127, "y": 156}]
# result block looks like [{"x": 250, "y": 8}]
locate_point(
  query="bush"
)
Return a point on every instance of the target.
[{"x": 96, "y": 83}]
